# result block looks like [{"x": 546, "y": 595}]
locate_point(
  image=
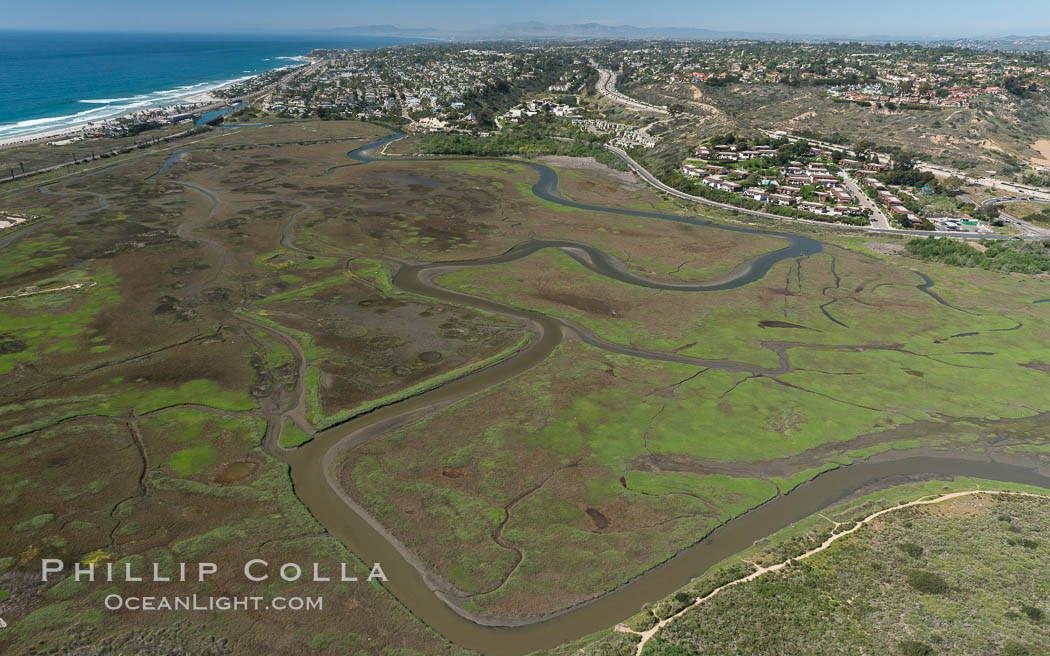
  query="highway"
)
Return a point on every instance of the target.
[
  {"x": 607, "y": 87},
  {"x": 648, "y": 177},
  {"x": 1024, "y": 226},
  {"x": 1015, "y": 188}
]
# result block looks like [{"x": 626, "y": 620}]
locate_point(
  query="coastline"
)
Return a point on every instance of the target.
[
  {"x": 162, "y": 105},
  {"x": 199, "y": 99}
]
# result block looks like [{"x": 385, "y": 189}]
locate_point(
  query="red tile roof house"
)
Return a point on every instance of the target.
[{"x": 781, "y": 199}]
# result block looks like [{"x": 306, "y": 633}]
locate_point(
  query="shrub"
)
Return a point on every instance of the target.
[
  {"x": 1015, "y": 648},
  {"x": 927, "y": 582},
  {"x": 914, "y": 648},
  {"x": 1033, "y": 613},
  {"x": 911, "y": 549}
]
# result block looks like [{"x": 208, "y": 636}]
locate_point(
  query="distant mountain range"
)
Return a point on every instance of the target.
[{"x": 540, "y": 30}]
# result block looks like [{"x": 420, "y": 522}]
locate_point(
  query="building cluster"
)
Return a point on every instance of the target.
[
  {"x": 809, "y": 186},
  {"x": 901, "y": 74},
  {"x": 624, "y": 136},
  {"x": 414, "y": 82}
]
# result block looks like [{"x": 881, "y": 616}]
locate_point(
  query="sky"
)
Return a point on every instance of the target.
[{"x": 905, "y": 18}]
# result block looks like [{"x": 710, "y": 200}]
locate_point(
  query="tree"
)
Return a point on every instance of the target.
[{"x": 863, "y": 146}]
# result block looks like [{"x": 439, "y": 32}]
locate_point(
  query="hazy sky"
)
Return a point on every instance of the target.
[{"x": 840, "y": 17}]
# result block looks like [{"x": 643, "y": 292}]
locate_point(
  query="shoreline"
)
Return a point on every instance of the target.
[{"x": 197, "y": 100}]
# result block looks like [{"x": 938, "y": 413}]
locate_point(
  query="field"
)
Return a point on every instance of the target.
[
  {"x": 31, "y": 157},
  {"x": 964, "y": 577},
  {"x": 956, "y": 577},
  {"x": 833, "y": 358},
  {"x": 137, "y": 395},
  {"x": 179, "y": 319}
]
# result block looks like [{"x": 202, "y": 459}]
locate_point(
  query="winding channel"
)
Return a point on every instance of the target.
[
  {"x": 315, "y": 476},
  {"x": 313, "y": 464}
]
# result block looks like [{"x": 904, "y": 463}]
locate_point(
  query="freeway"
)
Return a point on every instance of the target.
[
  {"x": 1024, "y": 226},
  {"x": 651, "y": 179},
  {"x": 1036, "y": 193},
  {"x": 607, "y": 87}
]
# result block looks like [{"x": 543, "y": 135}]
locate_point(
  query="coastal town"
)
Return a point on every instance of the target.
[{"x": 503, "y": 89}]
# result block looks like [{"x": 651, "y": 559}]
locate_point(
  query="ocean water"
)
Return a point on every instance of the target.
[{"x": 51, "y": 80}]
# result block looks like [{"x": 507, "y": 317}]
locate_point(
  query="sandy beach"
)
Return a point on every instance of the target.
[{"x": 198, "y": 100}]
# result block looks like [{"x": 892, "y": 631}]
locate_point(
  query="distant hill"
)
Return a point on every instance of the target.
[{"x": 540, "y": 30}]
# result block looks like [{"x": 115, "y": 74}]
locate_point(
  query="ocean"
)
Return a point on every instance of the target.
[{"x": 51, "y": 80}]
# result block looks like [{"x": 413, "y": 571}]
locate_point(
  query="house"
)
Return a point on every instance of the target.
[
  {"x": 781, "y": 199},
  {"x": 691, "y": 171},
  {"x": 723, "y": 185},
  {"x": 757, "y": 193}
]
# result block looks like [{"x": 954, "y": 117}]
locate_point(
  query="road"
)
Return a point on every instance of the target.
[
  {"x": 607, "y": 87},
  {"x": 1032, "y": 193},
  {"x": 880, "y": 220},
  {"x": 1024, "y": 226},
  {"x": 1015, "y": 188},
  {"x": 648, "y": 177}
]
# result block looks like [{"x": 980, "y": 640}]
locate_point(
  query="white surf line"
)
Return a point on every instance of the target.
[{"x": 759, "y": 571}]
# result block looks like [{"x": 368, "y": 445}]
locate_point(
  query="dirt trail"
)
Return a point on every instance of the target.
[{"x": 648, "y": 634}]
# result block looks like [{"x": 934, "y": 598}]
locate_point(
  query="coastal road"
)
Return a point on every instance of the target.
[
  {"x": 881, "y": 221},
  {"x": 651, "y": 179},
  {"x": 607, "y": 87}
]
